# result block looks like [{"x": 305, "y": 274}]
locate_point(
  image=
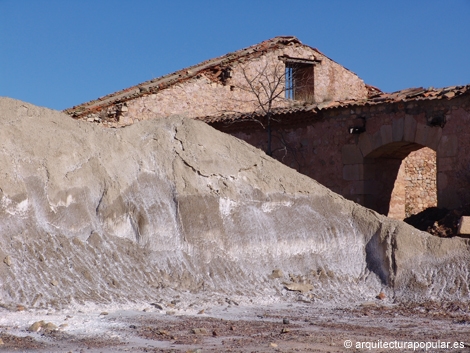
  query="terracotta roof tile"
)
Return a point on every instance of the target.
[
  {"x": 406, "y": 95},
  {"x": 163, "y": 82}
]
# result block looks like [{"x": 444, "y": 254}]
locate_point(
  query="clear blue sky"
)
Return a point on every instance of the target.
[{"x": 60, "y": 53}]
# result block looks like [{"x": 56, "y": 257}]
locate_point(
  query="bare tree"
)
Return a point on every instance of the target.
[
  {"x": 275, "y": 84},
  {"x": 265, "y": 84}
]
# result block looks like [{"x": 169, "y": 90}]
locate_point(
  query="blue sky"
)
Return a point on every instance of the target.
[{"x": 60, "y": 53}]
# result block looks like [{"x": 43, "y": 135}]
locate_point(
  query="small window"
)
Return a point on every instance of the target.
[
  {"x": 299, "y": 78},
  {"x": 289, "y": 82}
]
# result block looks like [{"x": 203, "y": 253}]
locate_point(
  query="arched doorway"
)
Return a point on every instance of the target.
[{"x": 400, "y": 179}]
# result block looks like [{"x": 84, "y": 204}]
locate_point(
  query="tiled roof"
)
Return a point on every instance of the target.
[
  {"x": 166, "y": 81},
  {"x": 406, "y": 95}
]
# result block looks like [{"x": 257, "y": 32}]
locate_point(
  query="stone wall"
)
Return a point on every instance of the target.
[
  {"x": 364, "y": 167},
  {"x": 398, "y": 197},
  {"x": 415, "y": 185},
  {"x": 361, "y": 166},
  {"x": 212, "y": 94},
  {"x": 420, "y": 181}
]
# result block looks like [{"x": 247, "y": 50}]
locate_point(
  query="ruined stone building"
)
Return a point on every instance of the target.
[
  {"x": 397, "y": 153},
  {"x": 220, "y": 85}
]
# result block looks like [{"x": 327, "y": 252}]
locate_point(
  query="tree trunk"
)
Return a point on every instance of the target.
[{"x": 269, "y": 151}]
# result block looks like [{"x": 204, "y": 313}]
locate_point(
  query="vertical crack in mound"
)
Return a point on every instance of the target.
[
  {"x": 134, "y": 220},
  {"x": 376, "y": 257},
  {"x": 393, "y": 249},
  {"x": 380, "y": 254}
]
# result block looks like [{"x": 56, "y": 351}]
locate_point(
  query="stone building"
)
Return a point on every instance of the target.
[
  {"x": 294, "y": 72},
  {"x": 396, "y": 153}
]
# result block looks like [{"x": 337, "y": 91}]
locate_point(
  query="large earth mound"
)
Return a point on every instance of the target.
[{"x": 100, "y": 215}]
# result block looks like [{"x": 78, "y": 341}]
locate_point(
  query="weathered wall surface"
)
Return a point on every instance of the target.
[
  {"x": 363, "y": 167},
  {"x": 211, "y": 94},
  {"x": 415, "y": 186},
  {"x": 420, "y": 171},
  {"x": 398, "y": 197}
]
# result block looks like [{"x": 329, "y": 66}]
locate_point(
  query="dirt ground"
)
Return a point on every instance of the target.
[{"x": 281, "y": 327}]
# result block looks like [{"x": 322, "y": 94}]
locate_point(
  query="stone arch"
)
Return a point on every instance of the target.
[{"x": 370, "y": 166}]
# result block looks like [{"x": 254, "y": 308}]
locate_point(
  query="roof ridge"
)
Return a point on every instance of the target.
[{"x": 162, "y": 82}]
